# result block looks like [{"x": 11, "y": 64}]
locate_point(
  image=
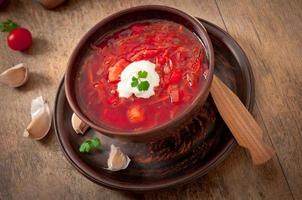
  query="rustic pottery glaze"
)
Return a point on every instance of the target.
[{"x": 130, "y": 16}]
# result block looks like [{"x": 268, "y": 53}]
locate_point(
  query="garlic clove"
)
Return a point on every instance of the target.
[
  {"x": 15, "y": 76},
  {"x": 41, "y": 120},
  {"x": 78, "y": 125},
  {"x": 117, "y": 159}
]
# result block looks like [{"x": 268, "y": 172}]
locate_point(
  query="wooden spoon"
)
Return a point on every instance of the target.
[{"x": 240, "y": 122}]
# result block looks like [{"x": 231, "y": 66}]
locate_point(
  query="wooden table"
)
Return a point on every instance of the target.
[{"x": 270, "y": 32}]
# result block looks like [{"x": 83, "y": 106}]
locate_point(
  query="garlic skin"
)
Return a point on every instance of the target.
[
  {"x": 78, "y": 125},
  {"x": 15, "y": 76},
  {"x": 41, "y": 120},
  {"x": 117, "y": 159}
]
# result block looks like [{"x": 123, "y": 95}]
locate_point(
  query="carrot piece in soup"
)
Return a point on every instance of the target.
[
  {"x": 135, "y": 114},
  {"x": 116, "y": 70}
]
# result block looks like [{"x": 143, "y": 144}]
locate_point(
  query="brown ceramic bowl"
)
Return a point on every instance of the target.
[{"x": 123, "y": 18}]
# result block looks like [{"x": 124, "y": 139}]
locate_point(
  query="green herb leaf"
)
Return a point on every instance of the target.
[
  {"x": 134, "y": 83},
  {"x": 140, "y": 84},
  {"x": 8, "y": 26},
  {"x": 95, "y": 143},
  {"x": 143, "y": 86},
  {"x": 142, "y": 74},
  {"x": 85, "y": 147},
  {"x": 90, "y": 144}
]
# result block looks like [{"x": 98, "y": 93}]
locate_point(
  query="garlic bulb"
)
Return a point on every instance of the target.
[
  {"x": 41, "y": 120},
  {"x": 78, "y": 125},
  {"x": 15, "y": 76},
  {"x": 117, "y": 159}
]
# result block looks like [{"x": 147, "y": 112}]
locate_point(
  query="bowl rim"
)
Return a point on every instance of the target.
[{"x": 128, "y": 134}]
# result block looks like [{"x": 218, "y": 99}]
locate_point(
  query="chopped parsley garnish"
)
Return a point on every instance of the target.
[
  {"x": 90, "y": 144},
  {"x": 8, "y": 26},
  {"x": 142, "y": 85}
]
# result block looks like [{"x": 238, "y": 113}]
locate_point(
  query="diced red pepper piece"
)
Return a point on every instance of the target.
[
  {"x": 135, "y": 114},
  {"x": 176, "y": 76},
  {"x": 116, "y": 70}
]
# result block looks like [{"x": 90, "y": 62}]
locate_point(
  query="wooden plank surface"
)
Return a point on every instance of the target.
[
  {"x": 268, "y": 31},
  {"x": 275, "y": 54}
]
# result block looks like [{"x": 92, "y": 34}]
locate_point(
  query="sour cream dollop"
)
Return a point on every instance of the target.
[{"x": 124, "y": 87}]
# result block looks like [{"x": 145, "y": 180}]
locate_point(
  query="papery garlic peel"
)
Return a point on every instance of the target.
[
  {"x": 78, "y": 125},
  {"x": 117, "y": 159},
  {"x": 41, "y": 120}
]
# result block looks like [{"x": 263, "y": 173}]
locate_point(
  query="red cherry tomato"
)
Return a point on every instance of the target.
[{"x": 19, "y": 39}]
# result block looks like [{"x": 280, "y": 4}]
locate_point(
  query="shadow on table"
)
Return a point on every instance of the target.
[
  {"x": 35, "y": 81},
  {"x": 39, "y": 46}
]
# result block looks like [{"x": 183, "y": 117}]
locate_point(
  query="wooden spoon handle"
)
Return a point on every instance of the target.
[{"x": 240, "y": 122}]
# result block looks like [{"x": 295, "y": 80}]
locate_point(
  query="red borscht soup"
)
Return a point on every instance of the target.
[{"x": 141, "y": 76}]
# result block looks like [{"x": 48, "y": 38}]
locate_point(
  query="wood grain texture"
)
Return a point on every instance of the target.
[
  {"x": 268, "y": 31},
  {"x": 241, "y": 123}
]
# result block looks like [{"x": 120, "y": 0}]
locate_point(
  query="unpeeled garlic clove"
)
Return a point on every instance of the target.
[
  {"x": 41, "y": 120},
  {"x": 117, "y": 159},
  {"x": 15, "y": 76},
  {"x": 78, "y": 125}
]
